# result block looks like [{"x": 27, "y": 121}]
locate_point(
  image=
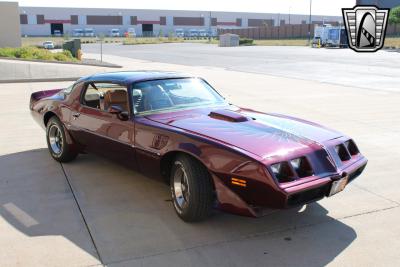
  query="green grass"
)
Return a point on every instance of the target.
[
  {"x": 151, "y": 40},
  {"x": 34, "y": 53}
]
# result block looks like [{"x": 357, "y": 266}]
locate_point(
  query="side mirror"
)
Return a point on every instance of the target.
[
  {"x": 117, "y": 110},
  {"x": 123, "y": 116}
]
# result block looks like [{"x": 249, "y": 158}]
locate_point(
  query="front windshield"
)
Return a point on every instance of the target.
[{"x": 173, "y": 94}]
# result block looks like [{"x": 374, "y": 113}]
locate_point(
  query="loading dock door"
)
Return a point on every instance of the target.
[
  {"x": 147, "y": 30},
  {"x": 55, "y": 27}
]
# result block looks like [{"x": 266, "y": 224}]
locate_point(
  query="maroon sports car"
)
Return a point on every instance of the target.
[{"x": 212, "y": 153}]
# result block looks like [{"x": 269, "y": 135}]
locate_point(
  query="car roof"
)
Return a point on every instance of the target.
[{"x": 127, "y": 77}]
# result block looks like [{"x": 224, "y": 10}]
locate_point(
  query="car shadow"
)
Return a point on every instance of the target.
[{"x": 130, "y": 217}]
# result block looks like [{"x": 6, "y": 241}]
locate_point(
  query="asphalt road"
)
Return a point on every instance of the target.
[{"x": 378, "y": 71}]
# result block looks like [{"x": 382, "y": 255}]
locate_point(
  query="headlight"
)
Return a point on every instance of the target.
[
  {"x": 302, "y": 167},
  {"x": 288, "y": 171},
  {"x": 351, "y": 147},
  {"x": 282, "y": 172},
  {"x": 341, "y": 150}
]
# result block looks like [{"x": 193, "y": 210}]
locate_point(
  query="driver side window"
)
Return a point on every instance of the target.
[{"x": 104, "y": 95}]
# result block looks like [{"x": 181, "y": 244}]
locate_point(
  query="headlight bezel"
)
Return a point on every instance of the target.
[{"x": 291, "y": 170}]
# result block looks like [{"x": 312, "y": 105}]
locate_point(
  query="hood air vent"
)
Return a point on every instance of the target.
[{"x": 227, "y": 115}]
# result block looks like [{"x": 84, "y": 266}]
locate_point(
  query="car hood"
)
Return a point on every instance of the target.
[{"x": 265, "y": 135}]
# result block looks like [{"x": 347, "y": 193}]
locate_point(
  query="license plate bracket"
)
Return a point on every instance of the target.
[{"x": 338, "y": 186}]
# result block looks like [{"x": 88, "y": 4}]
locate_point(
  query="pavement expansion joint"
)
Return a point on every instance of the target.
[{"x": 82, "y": 215}]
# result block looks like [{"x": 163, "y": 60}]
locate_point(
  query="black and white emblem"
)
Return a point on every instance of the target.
[{"x": 366, "y": 27}]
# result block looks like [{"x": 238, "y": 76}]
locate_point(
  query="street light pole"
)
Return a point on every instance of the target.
[
  {"x": 279, "y": 25},
  {"x": 209, "y": 28},
  {"x": 309, "y": 25}
]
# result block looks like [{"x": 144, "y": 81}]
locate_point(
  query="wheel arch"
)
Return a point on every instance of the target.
[
  {"x": 47, "y": 116},
  {"x": 167, "y": 161}
]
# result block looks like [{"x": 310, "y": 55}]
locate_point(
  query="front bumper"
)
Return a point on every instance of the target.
[
  {"x": 318, "y": 189},
  {"x": 311, "y": 190}
]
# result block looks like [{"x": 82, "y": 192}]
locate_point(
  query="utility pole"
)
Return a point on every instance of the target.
[
  {"x": 289, "y": 13},
  {"x": 209, "y": 28},
  {"x": 279, "y": 24},
  {"x": 309, "y": 25}
]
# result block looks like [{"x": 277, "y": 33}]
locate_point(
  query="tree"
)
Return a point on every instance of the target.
[{"x": 394, "y": 16}]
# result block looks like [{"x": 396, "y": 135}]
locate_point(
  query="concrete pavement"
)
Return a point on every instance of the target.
[{"x": 92, "y": 211}]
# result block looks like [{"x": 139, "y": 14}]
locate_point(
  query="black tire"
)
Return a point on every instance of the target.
[
  {"x": 59, "y": 149},
  {"x": 198, "y": 200}
]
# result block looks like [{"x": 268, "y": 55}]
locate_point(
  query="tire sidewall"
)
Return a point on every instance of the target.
[
  {"x": 56, "y": 122},
  {"x": 180, "y": 210}
]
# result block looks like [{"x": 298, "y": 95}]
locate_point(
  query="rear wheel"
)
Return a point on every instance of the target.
[
  {"x": 59, "y": 149},
  {"x": 191, "y": 189}
]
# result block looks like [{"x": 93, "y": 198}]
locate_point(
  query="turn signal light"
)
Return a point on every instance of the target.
[{"x": 239, "y": 182}]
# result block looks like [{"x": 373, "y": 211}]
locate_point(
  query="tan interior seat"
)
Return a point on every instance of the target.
[{"x": 116, "y": 97}]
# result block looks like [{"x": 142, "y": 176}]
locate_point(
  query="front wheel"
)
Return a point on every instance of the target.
[
  {"x": 58, "y": 147},
  {"x": 191, "y": 189}
]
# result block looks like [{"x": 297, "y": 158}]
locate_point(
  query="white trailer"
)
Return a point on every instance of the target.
[{"x": 329, "y": 36}]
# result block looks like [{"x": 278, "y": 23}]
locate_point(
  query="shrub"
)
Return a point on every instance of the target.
[
  {"x": 31, "y": 52},
  {"x": 394, "y": 16},
  {"x": 246, "y": 41}
]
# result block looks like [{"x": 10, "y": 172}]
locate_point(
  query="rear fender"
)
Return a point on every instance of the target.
[{"x": 36, "y": 96}]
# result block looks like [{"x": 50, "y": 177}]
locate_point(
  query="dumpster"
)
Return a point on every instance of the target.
[
  {"x": 228, "y": 40},
  {"x": 73, "y": 46}
]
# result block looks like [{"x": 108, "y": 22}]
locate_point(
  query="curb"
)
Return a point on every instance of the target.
[
  {"x": 40, "y": 80},
  {"x": 105, "y": 65}
]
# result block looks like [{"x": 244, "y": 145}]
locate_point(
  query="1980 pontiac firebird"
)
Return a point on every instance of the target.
[{"x": 212, "y": 153}]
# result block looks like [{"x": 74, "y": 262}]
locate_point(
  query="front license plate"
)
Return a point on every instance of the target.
[{"x": 338, "y": 186}]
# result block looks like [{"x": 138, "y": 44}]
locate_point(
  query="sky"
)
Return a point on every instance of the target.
[{"x": 319, "y": 7}]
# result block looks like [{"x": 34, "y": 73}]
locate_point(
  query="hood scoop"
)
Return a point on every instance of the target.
[{"x": 227, "y": 115}]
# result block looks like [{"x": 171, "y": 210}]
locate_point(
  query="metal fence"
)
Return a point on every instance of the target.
[
  {"x": 288, "y": 31},
  {"x": 393, "y": 30}
]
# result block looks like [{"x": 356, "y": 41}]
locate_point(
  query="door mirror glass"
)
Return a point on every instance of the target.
[{"x": 123, "y": 116}]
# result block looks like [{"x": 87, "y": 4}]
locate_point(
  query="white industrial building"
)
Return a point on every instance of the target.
[{"x": 44, "y": 21}]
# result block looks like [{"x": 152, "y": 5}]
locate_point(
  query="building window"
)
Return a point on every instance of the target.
[
  {"x": 23, "y": 19},
  {"x": 104, "y": 20},
  {"x": 40, "y": 19},
  {"x": 163, "y": 20},
  {"x": 74, "y": 20},
  {"x": 239, "y": 22},
  {"x": 260, "y": 22},
  {"x": 133, "y": 20},
  {"x": 188, "y": 21}
]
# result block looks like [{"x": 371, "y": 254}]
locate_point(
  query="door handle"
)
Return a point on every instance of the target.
[{"x": 76, "y": 115}]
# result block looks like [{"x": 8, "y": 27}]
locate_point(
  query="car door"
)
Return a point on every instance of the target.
[{"x": 101, "y": 131}]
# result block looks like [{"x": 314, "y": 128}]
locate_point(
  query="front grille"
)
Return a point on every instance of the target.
[{"x": 308, "y": 196}]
